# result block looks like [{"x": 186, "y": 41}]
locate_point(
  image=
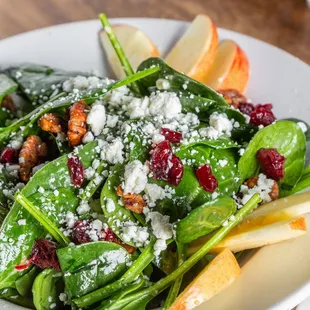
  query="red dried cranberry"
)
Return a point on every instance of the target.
[
  {"x": 271, "y": 163},
  {"x": 109, "y": 235},
  {"x": 160, "y": 162},
  {"x": 165, "y": 165},
  {"x": 246, "y": 108},
  {"x": 176, "y": 171},
  {"x": 262, "y": 115},
  {"x": 43, "y": 255},
  {"x": 76, "y": 170},
  {"x": 206, "y": 178},
  {"x": 79, "y": 234},
  {"x": 8, "y": 155},
  {"x": 171, "y": 136}
]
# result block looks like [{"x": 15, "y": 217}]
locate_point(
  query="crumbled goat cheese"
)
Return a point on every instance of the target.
[
  {"x": 89, "y": 173},
  {"x": 88, "y": 137},
  {"x": 111, "y": 259},
  {"x": 21, "y": 222},
  {"x": 166, "y": 104},
  {"x": 139, "y": 107},
  {"x": 159, "y": 246},
  {"x": 162, "y": 84},
  {"x": 135, "y": 234},
  {"x": 135, "y": 177},
  {"x": 302, "y": 126},
  {"x": 161, "y": 227},
  {"x": 112, "y": 152},
  {"x": 241, "y": 151},
  {"x": 83, "y": 207},
  {"x": 70, "y": 219},
  {"x": 63, "y": 297},
  {"x": 96, "y": 118},
  {"x": 263, "y": 188},
  {"x": 153, "y": 192},
  {"x": 110, "y": 205},
  {"x": 157, "y": 137},
  {"x": 112, "y": 120},
  {"x": 223, "y": 162}
]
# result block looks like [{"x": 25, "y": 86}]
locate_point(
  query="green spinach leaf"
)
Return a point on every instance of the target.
[
  {"x": 7, "y": 86},
  {"x": 89, "y": 266},
  {"x": 288, "y": 139}
]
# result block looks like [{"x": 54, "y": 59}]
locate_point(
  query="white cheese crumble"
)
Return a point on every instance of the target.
[
  {"x": 166, "y": 104},
  {"x": 110, "y": 205},
  {"x": 263, "y": 188},
  {"x": 132, "y": 233},
  {"x": 112, "y": 259},
  {"x": 21, "y": 222},
  {"x": 112, "y": 152},
  {"x": 223, "y": 162},
  {"x": 161, "y": 227},
  {"x": 96, "y": 118},
  {"x": 139, "y": 107},
  {"x": 135, "y": 177},
  {"x": 88, "y": 137},
  {"x": 83, "y": 207},
  {"x": 162, "y": 84},
  {"x": 153, "y": 192}
]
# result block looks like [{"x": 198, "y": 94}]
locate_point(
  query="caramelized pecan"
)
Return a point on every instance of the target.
[
  {"x": 50, "y": 122},
  {"x": 132, "y": 202},
  {"x": 232, "y": 96},
  {"x": 77, "y": 122},
  {"x": 7, "y": 103},
  {"x": 32, "y": 151}
]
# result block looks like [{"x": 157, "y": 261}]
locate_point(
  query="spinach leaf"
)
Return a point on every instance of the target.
[
  {"x": 178, "y": 81},
  {"x": 89, "y": 266},
  {"x": 119, "y": 214},
  {"x": 50, "y": 188},
  {"x": 11, "y": 295},
  {"x": 24, "y": 283},
  {"x": 7, "y": 86},
  {"x": 204, "y": 219},
  {"x": 5, "y": 116},
  {"x": 288, "y": 139},
  {"x": 38, "y": 82},
  {"x": 46, "y": 289}
]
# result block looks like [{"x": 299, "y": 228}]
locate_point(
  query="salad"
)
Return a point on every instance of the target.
[{"x": 138, "y": 193}]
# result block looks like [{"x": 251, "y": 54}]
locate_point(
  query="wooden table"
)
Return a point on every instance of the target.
[{"x": 284, "y": 23}]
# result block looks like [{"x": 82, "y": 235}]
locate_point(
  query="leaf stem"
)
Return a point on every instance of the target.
[
  {"x": 175, "y": 287},
  {"x": 42, "y": 219},
  {"x": 118, "y": 50}
]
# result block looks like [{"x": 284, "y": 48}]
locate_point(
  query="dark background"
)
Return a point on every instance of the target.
[{"x": 284, "y": 23}]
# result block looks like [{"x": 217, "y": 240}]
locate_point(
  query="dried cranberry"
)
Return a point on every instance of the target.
[
  {"x": 171, "y": 136},
  {"x": 160, "y": 162},
  {"x": 79, "y": 234},
  {"x": 165, "y": 165},
  {"x": 246, "y": 108},
  {"x": 206, "y": 178},
  {"x": 262, "y": 115},
  {"x": 76, "y": 170},
  {"x": 109, "y": 235},
  {"x": 43, "y": 255},
  {"x": 176, "y": 171},
  {"x": 271, "y": 163},
  {"x": 8, "y": 155}
]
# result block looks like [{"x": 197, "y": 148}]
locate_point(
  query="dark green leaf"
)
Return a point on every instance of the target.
[
  {"x": 46, "y": 289},
  {"x": 89, "y": 266},
  {"x": 24, "y": 283},
  {"x": 288, "y": 139},
  {"x": 7, "y": 86},
  {"x": 204, "y": 219}
]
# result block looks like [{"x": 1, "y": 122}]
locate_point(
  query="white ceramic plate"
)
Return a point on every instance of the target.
[{"x": 276, "y": 277}]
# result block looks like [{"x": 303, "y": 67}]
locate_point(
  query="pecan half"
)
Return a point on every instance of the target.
[
  {"x": 274, "y": 194},
  {"x": 32, "y": 151},
  {"x": 132, "y": 202},
  {"x": 50, "y": 122},
  {"x": 77, "y": 122},
  {"x": 232, "y": 96}
]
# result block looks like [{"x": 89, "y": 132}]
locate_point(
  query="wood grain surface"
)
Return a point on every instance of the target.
[{"x": 284, "y": 23}]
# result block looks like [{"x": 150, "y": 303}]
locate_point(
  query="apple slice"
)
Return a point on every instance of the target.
[
  {"x": 214, "y": 278},
  {"x": 271, "y": 223},
  {"x": 135, "y": 43},
  {"x": 195, "y": 51},
  {"x": 230, "y": 69}
]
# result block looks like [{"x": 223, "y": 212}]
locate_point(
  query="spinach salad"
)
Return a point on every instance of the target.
[{"x": 105, "y": 184}]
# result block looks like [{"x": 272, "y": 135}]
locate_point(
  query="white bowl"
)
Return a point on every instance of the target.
[{"x": 276, "y": 277}]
